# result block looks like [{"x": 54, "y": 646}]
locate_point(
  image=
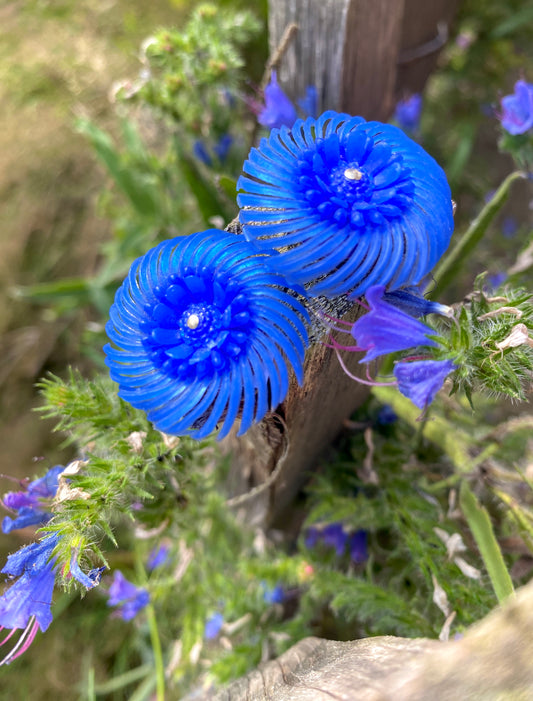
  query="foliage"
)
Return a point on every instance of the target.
[
  {"x": 441, "y": 498},
  {"x": 183, "y": 138}
]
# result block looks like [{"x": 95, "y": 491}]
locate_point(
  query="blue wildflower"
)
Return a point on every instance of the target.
[
  {"x": 89, "y": 580},
  {"x": 347, "y": 203},
  {"x": 309, "y": 103},
  {"x": 386, "y": 416},
  {"x": 358, "y": 547},
  {"x": 202, "y": 332},
  {"x": 410, "y": 301},
  {"x": 201, "y": 153},
  {"x": 420, "y": 380},
  {"x": 408, "y": 112},
  {"x": 274, "y": 595},
  {"x": 386, "y": 329},
  {"x": 495, "y": 280},
  {"x": 158, "y": 556},
  {"x": 509, "y": 227},
  {"x": 517, "y": 117},
  {"x": 220, "y": 149},
  {"x": 213, "y": 626},
  {"x": 332, "y": 535},
  {"x": 278, "y": 109},
  {"x": 312, "y": 536},
  {"x": 26, "y": 604},
  {"x": 31, "y": 504},
  {"x": 128, "y": 598}
]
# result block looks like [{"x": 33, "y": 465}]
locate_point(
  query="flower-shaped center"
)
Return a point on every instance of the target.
[
  {"x": 354, "y": 179},
  {"x": 198, "y": 325}
]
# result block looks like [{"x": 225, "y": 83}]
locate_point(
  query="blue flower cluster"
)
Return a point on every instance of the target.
[
  {"x": 337, "y": 537},
  {"x": 26, "y": 603},
  {"x": 391, "y": 325},
  {"x": 206, "y": 330},
  {"x": 31, "y": 504}
]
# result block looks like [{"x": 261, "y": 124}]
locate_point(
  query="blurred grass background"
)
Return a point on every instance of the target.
[{"x": 58, "y": 60}]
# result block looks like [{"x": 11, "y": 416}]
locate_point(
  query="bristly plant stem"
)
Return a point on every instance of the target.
[
  {"x": 154, "y": 633},
  {"x": 450, "y": 265},
  {"x": 480, "y": 525}
]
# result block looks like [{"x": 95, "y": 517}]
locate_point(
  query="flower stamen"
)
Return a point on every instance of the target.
[
  {"x": 353, "y": 174},
  {"x": 193, "y": 321}
]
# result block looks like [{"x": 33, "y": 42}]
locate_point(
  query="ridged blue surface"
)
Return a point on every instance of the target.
[
  {"x": 202, "y": 332},
  {"x": 347, "y": 203}
]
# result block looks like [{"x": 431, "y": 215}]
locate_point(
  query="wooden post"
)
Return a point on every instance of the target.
[
  {"x": 361, "y": 55},
  {"x": 357, "y": 53}
]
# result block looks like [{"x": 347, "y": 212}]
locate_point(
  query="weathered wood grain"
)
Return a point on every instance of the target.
[
  {"x": 361, "y": 55},
  {"x": 493, "y": 661},
  {"x": 354, "y": 52}
]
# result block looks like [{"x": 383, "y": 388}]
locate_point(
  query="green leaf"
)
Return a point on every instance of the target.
[
  {"x": 481, "y": 527},
  {"x": 140, "y": 188},
  {"x": 49, "y": 291},
  {"x": 133, "y": 675},
  {"x": 209, "y": 201},
  {"x": 515, "y": 21},
  {"x": 228, "y": 186},
  {"x": 449, "y": 267}
]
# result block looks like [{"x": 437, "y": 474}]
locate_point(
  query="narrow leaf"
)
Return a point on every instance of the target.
[
  {"x": 449, "y": 267},
  {"x": 481, "y": 527}
]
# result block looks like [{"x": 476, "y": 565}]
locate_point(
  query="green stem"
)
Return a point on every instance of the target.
[
  {"x": 154, "y": 633},
  {"x": 452, "y": 441},
  {"x": 450, "y": 265},
  {"x": 481, "y": 527}
]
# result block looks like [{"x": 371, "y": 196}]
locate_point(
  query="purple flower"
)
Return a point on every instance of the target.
[
  {"x": 517, "y": 115},
  {"x": 278, "y": 109},
  {"x": 220, "y": 149},
  {"x": 213, "y": 625},
  {"x": 496, "y": 279},
  {"x": 128, "y": 598},
  {"x": 158, "y": 556},
  {"x": 464, "y": 40},
  {"x": 386, "y": 329},
  {"x": 309, "y": 103},
  {"x": 201, "y": 153},
  {"x": 386, "y": 416},
  {"x": 312, "y": 537},
  {"x": 408, "y": 113},
  {"x": 26, "y": 604},
  {"x": 410, "y": 301},
  {"x": 332, "y": 536},
  {"x": 358, "y": 547},
  {"x": 420, "y": 380},
  {"x": 509, "y": 227},
  {"x": 273, "y": 596},
  {"x": 30, "y": 504},
  {"x": 89, "y": 580}
]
